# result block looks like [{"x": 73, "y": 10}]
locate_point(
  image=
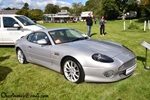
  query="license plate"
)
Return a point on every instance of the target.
[{"x": 129, "y": 70}]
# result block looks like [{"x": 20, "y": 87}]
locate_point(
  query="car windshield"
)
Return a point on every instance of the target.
[
  {"x": 66, "y": 35},
  {"x": 25, "y": 20}
]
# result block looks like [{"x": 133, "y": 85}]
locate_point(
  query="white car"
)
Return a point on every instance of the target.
[{"x": 13, "y": 27}]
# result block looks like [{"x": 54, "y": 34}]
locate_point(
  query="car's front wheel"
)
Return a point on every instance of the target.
[
  {"x": 21, "y": 57},
  {"x": 73, "y": 71}
]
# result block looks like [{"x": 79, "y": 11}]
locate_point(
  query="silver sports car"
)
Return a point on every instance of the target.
[{"x": 76, "y": 56}]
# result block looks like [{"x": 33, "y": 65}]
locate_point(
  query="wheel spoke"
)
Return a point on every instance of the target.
[
  {"x": 74, "y": 77},
  {"x": 68, "y": 65},
  {"x": 68, "y": 76},
  {"x": 71, "y": 64}
]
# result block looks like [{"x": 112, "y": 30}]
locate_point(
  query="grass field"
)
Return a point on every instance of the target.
[{"x": 34, "y": 82}]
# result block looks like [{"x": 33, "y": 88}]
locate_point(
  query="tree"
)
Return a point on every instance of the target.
[
  {"x": 95, "y": 6},
  {"x": 77, "y": 8},
  {"x": 102, "y": 7},
  {"x": 8, "y": 8},
  {"x": 36, "y": 14},
  {"x": 145, "y": 9},
  {"x": 109, "y": 9},
  {"x": 22, "y": 12},
  {"x": 132, "y": 5},
  {"x": 26, "y": 6},
  {"x": 126, "y": 6},
  {"x": 145, "y": 2},
  {"x": 65, "y": 8},
  {"x": 51, "y": 9}
]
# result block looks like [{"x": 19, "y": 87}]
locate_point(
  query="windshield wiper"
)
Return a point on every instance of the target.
[{"x": 76, "y": 39}]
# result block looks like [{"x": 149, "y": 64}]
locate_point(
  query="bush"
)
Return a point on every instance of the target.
[{"x": 133, "y": 26}]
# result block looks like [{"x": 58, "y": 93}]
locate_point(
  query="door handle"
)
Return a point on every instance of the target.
[{"x": 29, "y": 47}]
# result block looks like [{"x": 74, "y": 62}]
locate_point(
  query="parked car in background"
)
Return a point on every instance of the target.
[
  {"x": 13, "y": 27},
  {"x": 76, "y": 56},
  {"x": 128, "y": 15}
]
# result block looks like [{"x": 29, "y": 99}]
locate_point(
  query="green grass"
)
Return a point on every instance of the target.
[{"x": 17, "y": 79}]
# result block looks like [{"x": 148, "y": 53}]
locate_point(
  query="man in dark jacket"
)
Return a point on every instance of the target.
[{"x": 89, "y": 23}]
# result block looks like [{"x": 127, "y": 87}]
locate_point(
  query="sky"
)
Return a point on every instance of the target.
[{"x": 37, "y": 4}]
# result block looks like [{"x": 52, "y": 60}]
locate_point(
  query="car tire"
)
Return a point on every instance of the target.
[
  {"x": 21, "y": 57},
  {"x": 73, "y": 71}
]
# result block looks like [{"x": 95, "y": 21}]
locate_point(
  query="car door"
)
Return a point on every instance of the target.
[
  {"x": 10, "y": 33},
  {"x": 40, "y": 54}
]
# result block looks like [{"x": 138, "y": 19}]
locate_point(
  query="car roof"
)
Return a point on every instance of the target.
[
  {"x": 10, "y": 15},
  {"x": 53, "y": 29}
]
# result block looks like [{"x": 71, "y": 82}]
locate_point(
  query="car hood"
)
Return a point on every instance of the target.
[
  {"x": 35, "y": 27},
  {"x": 93, "y": 46}
]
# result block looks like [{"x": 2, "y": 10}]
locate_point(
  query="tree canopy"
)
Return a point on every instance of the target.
[
  {"x": 51, "y": 9},
  {"x": 145, "y": 9},
  {"x": 77, "y": 8},
  {"x": 34, "y": 14},
  {"x": 111, "y": 9}
]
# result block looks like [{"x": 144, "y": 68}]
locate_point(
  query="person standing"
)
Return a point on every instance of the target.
[
  {"x": 89, "y": 23},
  {"x": 102, "y": 26}
]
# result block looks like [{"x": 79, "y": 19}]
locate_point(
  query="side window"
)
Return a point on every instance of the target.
[
  {"x": 30, "y": 36},
  {"x": 8, "y": 22},
  {"x": 34, "y": 37}
]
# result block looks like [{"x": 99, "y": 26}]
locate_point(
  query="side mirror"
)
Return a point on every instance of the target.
[
  {"x": 34, "y": 21},
  {"x": 42, "y": 42},
  {"x": 86, "y": 36},
  {"x": 16, "y": 25}
]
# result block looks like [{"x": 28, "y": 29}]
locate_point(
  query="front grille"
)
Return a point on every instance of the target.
[
  {"x": 123, "y": 75},
  {"x": 127, "y": 64}
]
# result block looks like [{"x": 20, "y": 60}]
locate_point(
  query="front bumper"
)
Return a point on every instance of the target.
[{"x": 97, "y": 74}]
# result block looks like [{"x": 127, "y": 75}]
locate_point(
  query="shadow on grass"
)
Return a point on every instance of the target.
[
  {"x": 93, "y": 34},
  {"x": 7, "y": 46},
  {"x": 96, "y": 33},
  {"x": 143, "y": 59},
  {"x": 4, "y": 71},
  {"x": 4, "y": 58},
  {"x": 105, "y": 33}
]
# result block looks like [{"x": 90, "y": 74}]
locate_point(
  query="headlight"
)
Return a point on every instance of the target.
[{"x": 102, "y": 58}]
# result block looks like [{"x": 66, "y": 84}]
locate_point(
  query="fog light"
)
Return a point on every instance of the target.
[{"x": 109, "y": 73}]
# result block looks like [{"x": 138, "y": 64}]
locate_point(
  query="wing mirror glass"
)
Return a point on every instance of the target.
[{"x": 16, "y": 25}]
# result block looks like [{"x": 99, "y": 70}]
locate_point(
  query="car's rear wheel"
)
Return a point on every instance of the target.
[
  {"x": 73, "y": 71},
  {"x": 21, "y": 57}
]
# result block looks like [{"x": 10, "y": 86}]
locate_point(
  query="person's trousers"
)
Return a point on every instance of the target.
[
  {"x": 89, "y": 30},
  {"x": 102, "y": 30}
]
